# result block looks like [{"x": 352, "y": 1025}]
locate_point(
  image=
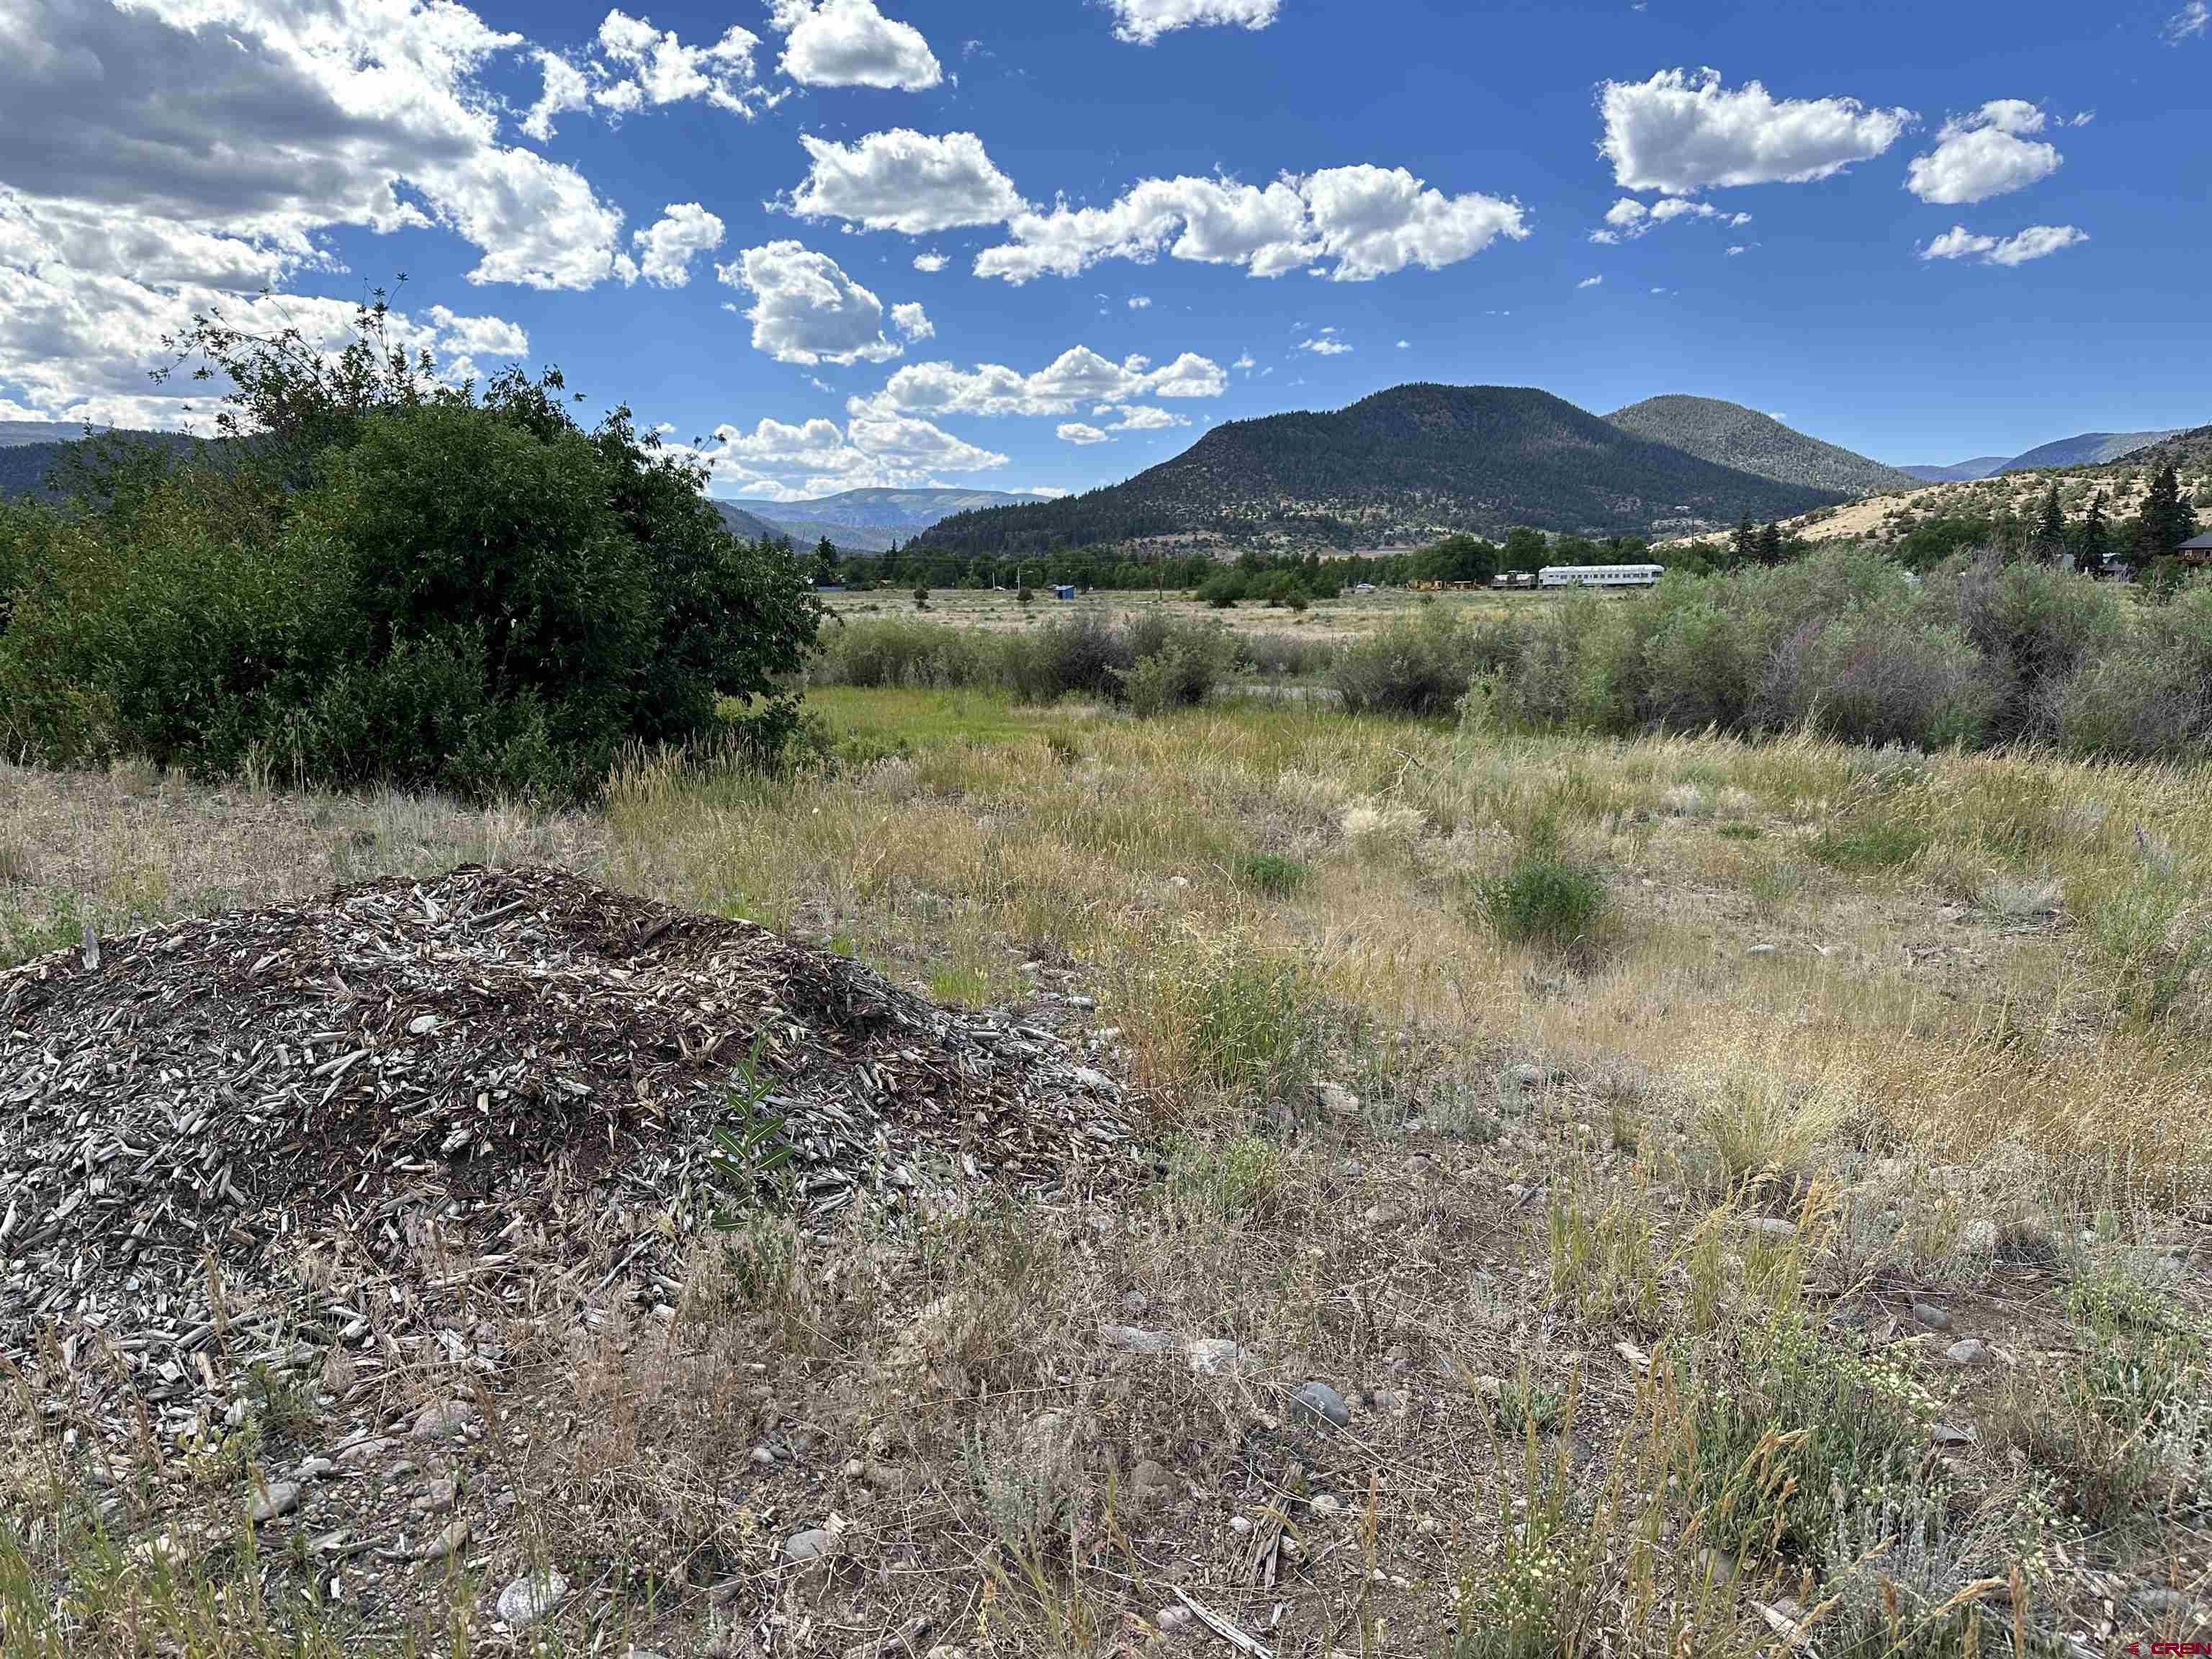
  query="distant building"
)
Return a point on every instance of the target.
[
  {"x": 1064, "y": 591},
  {"x": 2197, "y": 549}
]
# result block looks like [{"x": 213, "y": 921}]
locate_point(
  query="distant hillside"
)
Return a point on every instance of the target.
[
  {"x": 1729, "y": 434},
  {"x": 12, "y": 432},
  {"x": 1414, "y": 461},
  {"x": 750, "y": 527},
  {"x": 2087, "y": 449},
  {"x": 903, "y": 511},
  {"x": 1981, "y": 466},
  {"x": 2191, "y": 451},
  {"x": 26, "y": 465}
]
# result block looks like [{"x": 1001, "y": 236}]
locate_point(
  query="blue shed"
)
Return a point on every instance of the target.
[{"x": 1064, "y": 591}]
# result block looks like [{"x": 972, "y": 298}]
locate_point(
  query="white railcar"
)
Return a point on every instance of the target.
[{"x": 1600, "y": 575}]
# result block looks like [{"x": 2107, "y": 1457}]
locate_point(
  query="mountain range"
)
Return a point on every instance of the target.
[
  {"x": 2083, "y": 449},
  {"x": 1400, "y": 465},
  {"x": 867, "y": 520},
  {"x": 1729, "y": 434}
]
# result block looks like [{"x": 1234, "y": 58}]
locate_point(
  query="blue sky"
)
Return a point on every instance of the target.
[{"x": 1921, "y": 231}]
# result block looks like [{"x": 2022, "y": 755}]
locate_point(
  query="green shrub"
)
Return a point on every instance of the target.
[
  {"x": 1543, "y": 898},
  {"x": 1417, "y": 665},
  {"x": 398, "y": 581},
  {"x": 1267, "y": 872}
]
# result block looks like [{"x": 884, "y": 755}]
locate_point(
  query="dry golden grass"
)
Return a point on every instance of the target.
[
  {"x": 1335, "y": 620},
  {"x": 1943, "y": 1016}
]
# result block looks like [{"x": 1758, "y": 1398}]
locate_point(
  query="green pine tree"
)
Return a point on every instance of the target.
[
  {"x": 1770, "y": 544},
  {"x": 2166, "y": 520},
  {"x": 1747, "y": 541},
  {"x": 2090, "y": 557},
  {"x": 2049, "y": 528}
]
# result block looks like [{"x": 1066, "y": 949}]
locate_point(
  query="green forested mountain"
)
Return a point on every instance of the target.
[
  {"x": 29, "y": 468},
  {"x": 1729, "y": 434},
  {"x": 1413, "y": 462}
]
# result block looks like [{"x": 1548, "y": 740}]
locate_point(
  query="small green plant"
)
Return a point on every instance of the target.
[
  {"x": 1270, "y": 874},
  {"x": 921, "y": 598},
  {"x": 1545, "y": 899},
  {"x": 1868, "y": 842},
  {"x": 1740, "y": 832},
  {"x": 750, "y": 1156}
]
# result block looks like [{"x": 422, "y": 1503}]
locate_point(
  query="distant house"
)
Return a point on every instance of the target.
[
  {"x": 2197, "y": 549},
  {"x": 1064, "y": 591}
]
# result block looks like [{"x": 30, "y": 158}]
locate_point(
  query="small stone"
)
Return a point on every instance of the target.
[
  {"x": 1152, "y": 1479},
  {"x": 330, "y": 1543},
  {"x": 1384, "y": 1215},
  {"x": 763, "y": 1457},
  {"x": 1325, "y": 1503},
  {"x": 1134, "y": 1338},
  {"x": 1718, "y": 1568},
  {"x": 885, "y": 1477},
  {"x": 280, "y": 1498},
  {"x": 1773, "y": 1229},
  {"x": 444, "y": 1420},
  {"x": 438, "y": 1495},
  {"x": 1393, "y": 1401},
  {"x": 1761, "y": 951},
  {"x": 1528, "y": 1076},
  {"x": 855, "y": 1469},
  {"x": 1966, "y": 1352},
  {"x": 1430, "y": 1527},
  {"x": 315, "y": 1469},
  {"x": 1935, "y": 1318},
  {"x": 1950, "y": 1434},
  {"x": 1336, "y": 1101},
  {"x": 451, "y": 1541},
  {"x": 530, "y": 1598},
  {"x": 1240, "y": 1524},
  {"x": 1171, "y": 1619},
  {"x": 402, "y": 1469},
  {"x": 1319, "y": 1401},
  {"x": 813, "y": 1545},
  {"x": 1211, "y": 1355},
  {"x": 2158, "y": 1598}
]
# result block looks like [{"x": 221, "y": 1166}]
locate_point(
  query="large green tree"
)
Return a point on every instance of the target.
[{"x": 2166, "y": 519}]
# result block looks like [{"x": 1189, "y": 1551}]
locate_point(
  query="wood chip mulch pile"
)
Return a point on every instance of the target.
[{"x": 252, "y": 1137}]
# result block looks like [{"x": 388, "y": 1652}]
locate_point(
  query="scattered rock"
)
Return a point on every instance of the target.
[
  {"x": 1240, "y": 1524},
  {"x": 1336, "y": 1101},
  {"x": 1326, "y": 1503},
  {"x": 1393, "y": 1401},
  {"x": 1966, "y": 1352},
  {"x": 1211, "y": 1355},
  {"x": 1133, "y": 1339},
  {"x": 530, "y": 1598},
  {"x": 1718, "y": 1568},
  {"x": 1951, "y": 1434},
  {"x": 1384, "y": 1215},
  {"x": 855, "y": 1469},
  {"x": 1529, "y": 1077},
  {"x": 813, "y": 1545},
  {"x": 1935, "y": 1318},
  {"x": 1761, "y": 951},
  {"x": 1171, "y": 1619},
  {"x": 1152, "y": 1481},
  {"x": 444, "y": 1420},
  {"x": 451, "y": 1541},
  {"x": 885, "y": 1477},
  {"x": 438, "y": 1495},
  {"x": 281, "y": 1499},
  {"x": 1773, "y": 1229},
  {"x": 1319, "y": 1401}
]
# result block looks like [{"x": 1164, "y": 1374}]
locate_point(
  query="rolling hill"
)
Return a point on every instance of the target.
[
  {"x": 1412, "y": 461},
  {"x": 870, "y": 520},
  {"x": 2086, "y": 449},
  {"x": 2083, "y": 449},
  {"x": 27, "y": 463},
  {"x": 1981, "y": 467},
  {"x": 1729, "y": 434}
]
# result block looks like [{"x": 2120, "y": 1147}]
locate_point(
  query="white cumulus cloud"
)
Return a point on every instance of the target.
[
  {"x": 664, "y": 251},
  {"x": 1142, "y": 417},
  {"x": 778, "y": 461},
  {"x": 1983, "y": 154},
  {"x": 849, "y": 43},
  {"x": 913, "y": 321},
  {"x": 1077, "y": 377},
  {"x": 1590, "y": 282},
  {"x": 1363, "y": 220},
  {"x": 2036, "y": 242},
  {"x": 806, "y": 310},
  {"x": 929, "y": 263},
  {"x": 907, "y": 181},
  {"x": 1077, "y": 432},
  {"x": 1143, "y": 21},
  {"x": 1681, "y": 133},
  {"x": 1323, "y": 346}
]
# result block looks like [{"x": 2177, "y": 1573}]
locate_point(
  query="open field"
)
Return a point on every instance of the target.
[
  {"x": 1744, "y": 1196},
  {"x": 1333, "y": 620}
]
